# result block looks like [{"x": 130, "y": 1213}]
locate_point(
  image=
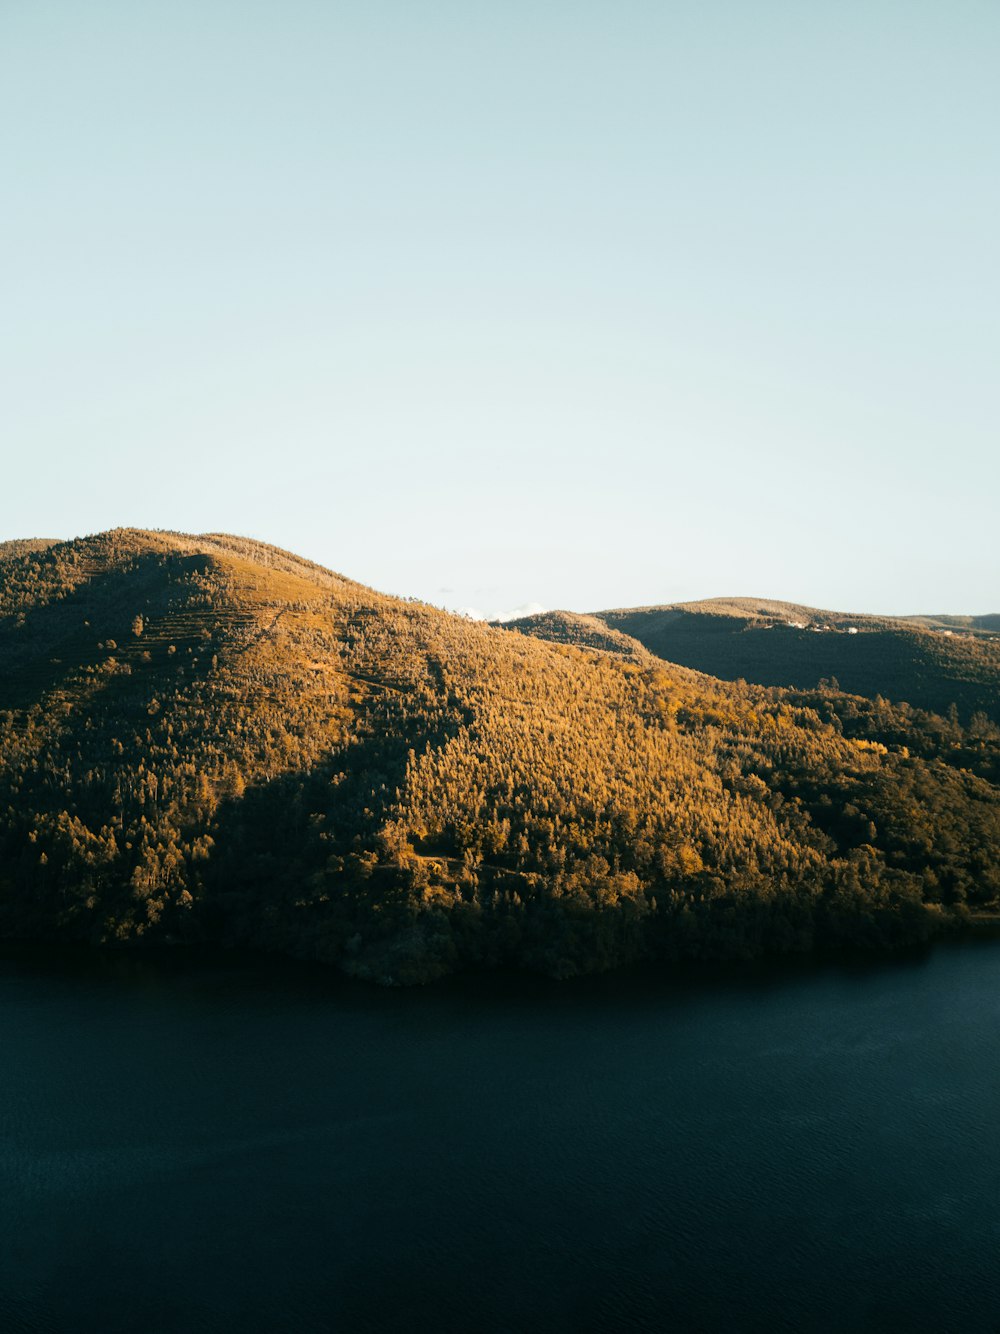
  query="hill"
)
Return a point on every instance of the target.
[
  {"x": 975, "y": 625},
  {"x": 207, "y": 738},
  {"x": 931, "y": 663},
  {"x": 26, "y": 546},
  {"x": 569, "y": 627}
]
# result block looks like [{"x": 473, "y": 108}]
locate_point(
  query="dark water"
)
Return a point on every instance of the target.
[{"x": 212, "y": 1143}]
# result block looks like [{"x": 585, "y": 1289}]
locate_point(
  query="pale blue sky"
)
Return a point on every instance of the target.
[{"x": 585, "y": 304}]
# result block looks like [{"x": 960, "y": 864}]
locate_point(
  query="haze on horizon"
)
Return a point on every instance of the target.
[{"x": 579, "y": 306}]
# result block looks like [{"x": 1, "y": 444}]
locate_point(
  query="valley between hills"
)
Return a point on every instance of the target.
[{"x": 207, "y": 739}]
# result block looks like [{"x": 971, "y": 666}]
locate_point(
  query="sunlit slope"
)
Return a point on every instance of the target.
[
  {"x": 208, "y": 738},
  {"x": 924, "y": 661},
  {"x": 26, "y": 546},
  {"x": 980, "y": 625},
  {"x": 567, "y": 627}
]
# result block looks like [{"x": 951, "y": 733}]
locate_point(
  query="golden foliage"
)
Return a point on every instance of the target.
[{"x": 284, "y": 757}]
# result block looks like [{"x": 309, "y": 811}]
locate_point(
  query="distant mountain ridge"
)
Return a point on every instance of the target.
[
  {"x": 772, "y": 611},
  {"x": 931, "y": 662},
  {"x": 209, "y": 738}
]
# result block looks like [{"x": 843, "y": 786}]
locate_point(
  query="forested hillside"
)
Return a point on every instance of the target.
[
  {"x": 567, "y": 627},
  {"x": 931, "y": 662},
  {"x": 209, "y": 739}
]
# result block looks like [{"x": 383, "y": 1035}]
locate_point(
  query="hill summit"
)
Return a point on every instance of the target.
[{"x": 208, "y": 738}]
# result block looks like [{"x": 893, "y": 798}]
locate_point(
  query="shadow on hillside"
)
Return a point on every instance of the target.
[
  {"x": 285, "y": 871},
  {"x": 926, "y": 671}
]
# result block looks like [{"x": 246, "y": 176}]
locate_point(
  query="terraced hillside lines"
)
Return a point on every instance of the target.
[{"x": 208, "y": 738}]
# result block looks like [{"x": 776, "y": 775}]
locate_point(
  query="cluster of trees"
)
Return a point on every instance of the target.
[{"x": 210, "y": 739}]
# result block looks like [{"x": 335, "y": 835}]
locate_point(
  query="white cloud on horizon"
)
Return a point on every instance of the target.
[{"x": 528, "y": 609}]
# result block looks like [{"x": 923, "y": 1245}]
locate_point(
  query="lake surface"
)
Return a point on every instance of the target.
[{"x": 220, "y": 1143}]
